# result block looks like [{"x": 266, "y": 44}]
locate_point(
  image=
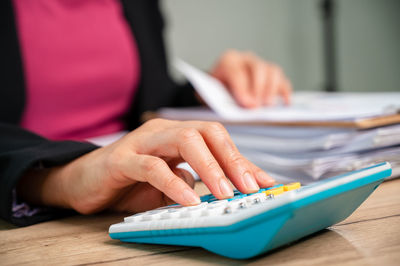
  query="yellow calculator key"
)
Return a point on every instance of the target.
[
  {"x": 274, "y": 191},
  {"x": 292, "y": 186}
]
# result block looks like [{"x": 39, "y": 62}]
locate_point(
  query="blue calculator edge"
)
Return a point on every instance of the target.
[{"x": 302, "y": 212}]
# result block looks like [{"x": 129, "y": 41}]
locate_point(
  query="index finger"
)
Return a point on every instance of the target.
[{"x": 185, "y": 141}]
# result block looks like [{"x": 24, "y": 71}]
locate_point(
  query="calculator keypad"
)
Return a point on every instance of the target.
[{"x": 211, "y": 206}]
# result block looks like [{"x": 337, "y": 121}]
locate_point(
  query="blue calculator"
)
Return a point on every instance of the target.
[{"x": 251, "y": 224}]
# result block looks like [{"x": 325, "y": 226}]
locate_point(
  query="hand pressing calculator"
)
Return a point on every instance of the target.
[{"x": 248, "y": 225}]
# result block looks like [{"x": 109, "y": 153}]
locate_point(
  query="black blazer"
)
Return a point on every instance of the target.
[{"x": 21, "y": 150}]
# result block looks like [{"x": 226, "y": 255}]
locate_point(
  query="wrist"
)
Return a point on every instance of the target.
[
  {"x": 67, "y": 186},
  {"x": 43, "y": 187}
]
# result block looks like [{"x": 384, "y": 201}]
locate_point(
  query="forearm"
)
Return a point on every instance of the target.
[{"x": 76, "y": 185}]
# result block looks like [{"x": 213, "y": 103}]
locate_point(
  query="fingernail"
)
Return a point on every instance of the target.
[
  {"x": 225, "y": 188},
  {"x": 250, "y": 182},
  {"x": 265, "y": 177},
  {"x": 191, "y": 197}
]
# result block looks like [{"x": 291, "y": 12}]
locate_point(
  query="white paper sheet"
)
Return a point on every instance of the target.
[
  {"x": 307, "y": 106},
  {"x": 315, "y": 167},
  {"x": 332, "y": 143}
]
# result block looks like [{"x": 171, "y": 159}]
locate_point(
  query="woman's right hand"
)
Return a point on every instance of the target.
[{"x": 138, "y": 172}]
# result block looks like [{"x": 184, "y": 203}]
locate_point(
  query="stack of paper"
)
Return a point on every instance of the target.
[
  {"x": 295, "y": 142},
  {"x": 306, "y": 107}
]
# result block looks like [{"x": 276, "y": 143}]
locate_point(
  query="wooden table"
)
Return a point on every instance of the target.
[{"x": 371, "y": 236}]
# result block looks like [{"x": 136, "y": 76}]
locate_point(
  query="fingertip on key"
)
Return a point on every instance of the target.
[
  {"x": 249, "y": 182},
  {"x": 225, "y": 188},
  {"x": 265, "y": 178},
  {"x": 190, "y": 197}
]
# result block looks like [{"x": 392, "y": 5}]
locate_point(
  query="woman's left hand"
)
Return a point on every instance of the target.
[{"x": 252, "y": 81}]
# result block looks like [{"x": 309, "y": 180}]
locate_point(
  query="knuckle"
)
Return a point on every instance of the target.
[
  {"x": 188, "y": 134},
  {"x": 236, "y": 76},
  {"x": 278, "y": 70},
  {"x": 215, "y": 127},
  {"x": 171, "y": 183},
  {"x": 231, "y": 52},
  {"x": 264, "y": 66},
  {"x": 211, "y": 165},
  {"x": 155, "y": 122},
  {"x": 237, "y": 159},
  {"x": 250, "y": 55},
  {"x": 231, "y": 55},
  {"x": 152, "y": 164}
]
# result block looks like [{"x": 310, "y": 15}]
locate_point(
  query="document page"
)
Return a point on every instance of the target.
[{"x": 307, "y": 106}]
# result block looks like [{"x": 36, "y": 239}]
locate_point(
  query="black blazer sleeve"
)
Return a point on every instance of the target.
[{"x": 21, "y": 150}]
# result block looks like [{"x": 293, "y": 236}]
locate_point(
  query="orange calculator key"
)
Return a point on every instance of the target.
[
  {"x": 292, "y": 186},
  {"x": 274, "y": 191}
]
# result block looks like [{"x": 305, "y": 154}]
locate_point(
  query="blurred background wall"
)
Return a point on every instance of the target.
[{"x": 289, "y": 32}]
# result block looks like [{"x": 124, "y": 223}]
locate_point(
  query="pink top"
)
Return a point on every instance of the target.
[{"x": 81, "y": 66}]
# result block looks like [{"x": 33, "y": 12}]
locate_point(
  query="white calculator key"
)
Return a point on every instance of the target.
[
  {"x": 156, "y": 211},
  {"x": 153, "y": 215},
  {"x": 146, "y": 217},
  {"x": 237, "y": 203},
  {"x": 195, "y": 207},
  {"x": 133, "y": 218},
  {"x": 192, "y": 213},
  {"x": 174, "y": 206},
  {"x": 256, "y": 198},
  {"x": 171, "y": 213},
  {"x": 217, "y": 203},
  {"x": 215, "y": 210}
]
